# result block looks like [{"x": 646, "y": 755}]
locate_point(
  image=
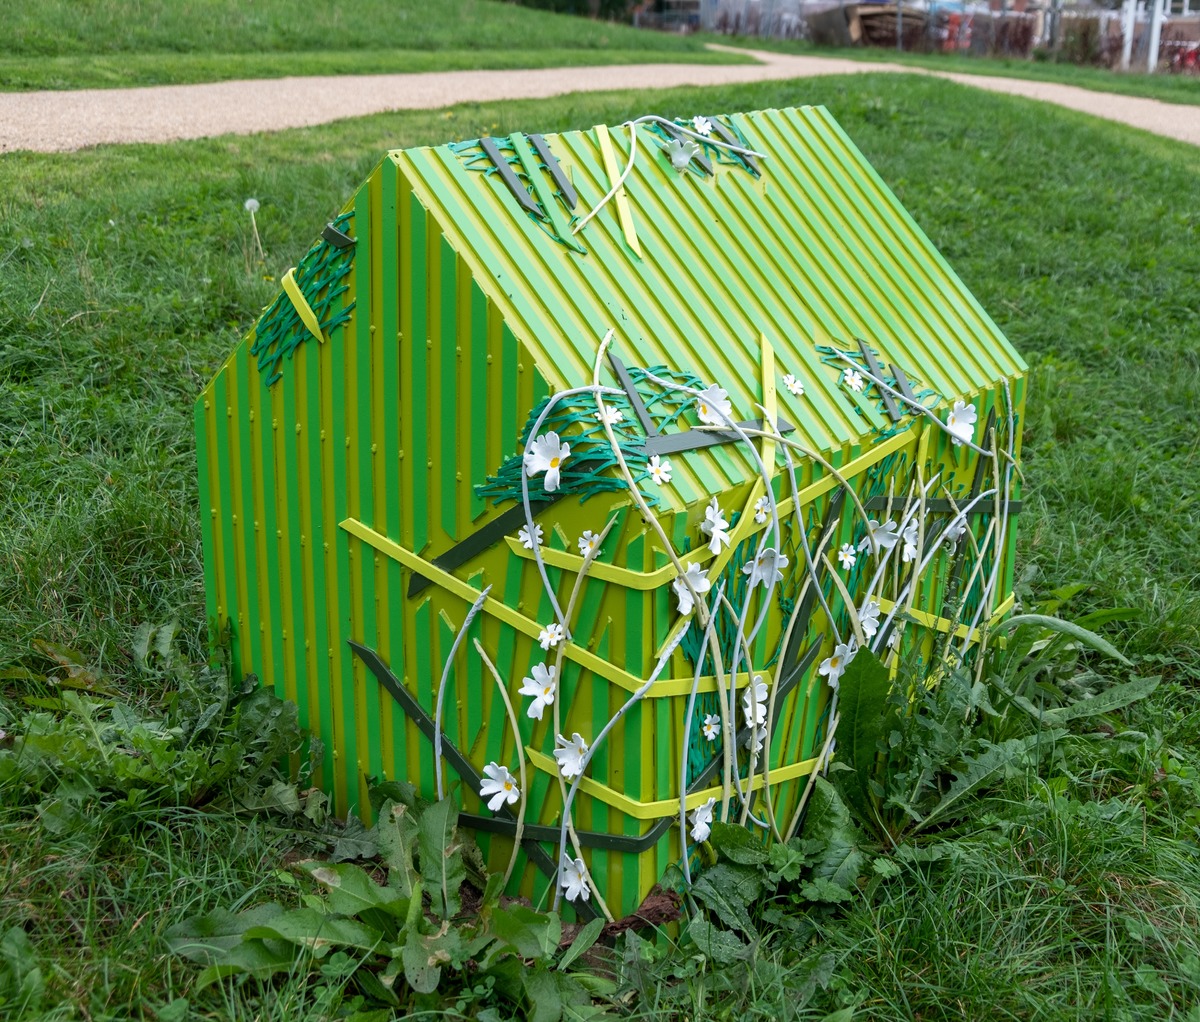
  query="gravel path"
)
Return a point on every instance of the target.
[{"x": 66, "y": 121}]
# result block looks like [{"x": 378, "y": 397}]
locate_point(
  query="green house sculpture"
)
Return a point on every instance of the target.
[{"x": 722, "y": 340}]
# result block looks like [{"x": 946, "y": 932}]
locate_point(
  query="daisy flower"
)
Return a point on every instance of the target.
[
  {"x": 659, "y": 469},
  {"x": 760, "y": 510},
  {"x": 713, "y": 407},
  {"x": 551, "y": 635},
  {"x": 961, "y": 423},
  {"x": 701, "y": 819},
  {"x": 715, "y": 527},
  {"x": 833, "y": 667},
  {"x": 541, "y": 686},
  {"x": 499, "y": 786},
  {"x": 794, "y": 386},
  {"x": 702, "y": 126},
  {"x": 868, "y": 618},
  {"x": 766, "y": 568},
  {"x": 854, "y": 380},
  {"x": 698, "y": 577},
  {"x": 570, "y": 755},
  {"x": 711, "y": 726},
  {"x": 589, "y": 543},
  {"x": 610, "y": 415},
  {"x": 572, "y": 877},
  {"x": 847, "y": 556},
  {"x": 546, "y": 454},
  {"x": 523, "y": 536}
]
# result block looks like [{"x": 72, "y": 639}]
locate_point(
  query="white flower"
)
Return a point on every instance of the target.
[
  {"x": 868, "y": 618},
  {"x": 766, "y": 568},
  {"x": 847, "y": 556},
  {"x": 956, "y": 528},
  {"x": 702, "y": 126},
  {"x": 910, "y": 542},
  {"x": 754, "y": 702},
  {"x": 546, "y": 454},
  {"x": 702, "y": 818},
  {"x": 832, "y": 667},
  {"x": 754, "y": 739},
  {"x": 853, "y": 379},
  {"x": 541, "y": 687},
  {"x": 960, "y": 421},
  {"x": 680, "y": 151},
  {"x": 251, "y": 206},
  {"x": 500, "y": 785},
  {"x": 794, "y": 386},
  {"x": 570, "y": 755},
  {"x": 715, "y": 527},
  {"x": 713, "y": 407},
  {"x": 760, "y": 510},
  {"x": 572, "y": 877},
  {"x": 610, "y": 415},
  {"x": 894, "y": 639},
  {"x": 885, "y": 535},
  {"x": 698, "y": 578},
  {"x": 589, "y": 543},
  {"x": 523, "y": 536},
  {"x": 711, "y": 726},
  {"x": 551, "y": 635},
  {"x": 659, "y": 469}
]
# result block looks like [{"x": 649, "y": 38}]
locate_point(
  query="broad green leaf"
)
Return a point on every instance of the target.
[
  {"x": 727, "y": 890},
  {"x": 828, "y": 821},
  {"x": 553, "y": 995},
  {"x": 978, "y": 772},
  {"x": 1116, "y": 697},
  {"x": 396, "y": 833},
  {"x": 823, "y": 890},
  {"x": 319, "y": 933},
  {"x": 441, "y": 858},
  {"x": 738, "y": 844},
  {"x": 865, "y": 718},
  {"x": 584, "y": 939},
  {"x": 355, "y": 842},
  {"x": 531, "y": 934},
  {"x": 422, "y": 970},
  {"x": 258, "y": 958},
  {"x": 721, "y": 946},
  {"x": 1069, "y": 628},
  {"x": 209, "y": 936},
  {"x": 351, "y": 891},
  {"x": 842, "y": 1015}
]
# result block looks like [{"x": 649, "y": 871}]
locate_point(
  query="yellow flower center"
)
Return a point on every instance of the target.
[
  {"x": 703, "y": 408},
  {"x": 547, "y": 690},
  {"x": 508, "y": 786},
  {"x": 835, "y": 663},
  {"x": 554, "y": 462}
]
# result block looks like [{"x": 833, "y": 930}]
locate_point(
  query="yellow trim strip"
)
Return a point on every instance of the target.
[
  {"x": 943, "y": 624},
  {"x": 300, "y": 303},
  {"x": 664, "y": 688},
  {"x": 653, "y": 579},
  {"x": 624, "y": 214},
  {"x": 667, "y": 806}
]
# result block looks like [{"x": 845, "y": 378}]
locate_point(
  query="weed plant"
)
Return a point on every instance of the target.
[{"x": 1065, "y": 890}]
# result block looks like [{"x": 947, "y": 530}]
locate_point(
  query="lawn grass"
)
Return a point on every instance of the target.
[
  {"x": 127, "y": 276},
  {"x": 60, "y": 44},
  {"x": 1170, "y": 88}
]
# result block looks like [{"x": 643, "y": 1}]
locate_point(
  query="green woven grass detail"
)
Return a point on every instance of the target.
[
  {"x": 591, "y": 467},
  {"x": 714, "y": 153},
  {"x": 319, "y": 275},
  {"x": 830, "y": 357}
]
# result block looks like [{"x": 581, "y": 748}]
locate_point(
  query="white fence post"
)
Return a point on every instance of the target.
[
  {"x": 1128, "y": 23},
  {"x": 1156, "y": 7}
]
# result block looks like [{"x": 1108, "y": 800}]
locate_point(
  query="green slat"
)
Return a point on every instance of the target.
[
  {"x": 423, "y": 684},
  {"x": 294, "y": 621},
  {"x": 482, "y": 407},
  {"x": 338, "y": 429},
  {"x": 449, "y": 450},
  {"x": 229, "y": 552},
  {"x": 361, "y": 449},
  {"x": 635, "y": 721},
  {"x": 206, "y": 522},
  {"x": 511, "y": 419},
  {"x": 311, "y": 437},
  {"x": 251, "y": 638},
  {"x": 418, "y": 355}
]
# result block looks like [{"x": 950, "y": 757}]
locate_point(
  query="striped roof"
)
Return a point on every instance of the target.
[{"x": 814, "y": 250}]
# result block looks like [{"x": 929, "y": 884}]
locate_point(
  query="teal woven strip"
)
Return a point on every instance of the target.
[{"x": 319, "y": 275}]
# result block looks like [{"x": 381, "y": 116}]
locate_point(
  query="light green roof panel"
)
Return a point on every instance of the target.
[{"x": 815, "y": 249}]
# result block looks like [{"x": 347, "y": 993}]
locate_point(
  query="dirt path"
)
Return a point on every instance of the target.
[{"x": 65, "y": 121}]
